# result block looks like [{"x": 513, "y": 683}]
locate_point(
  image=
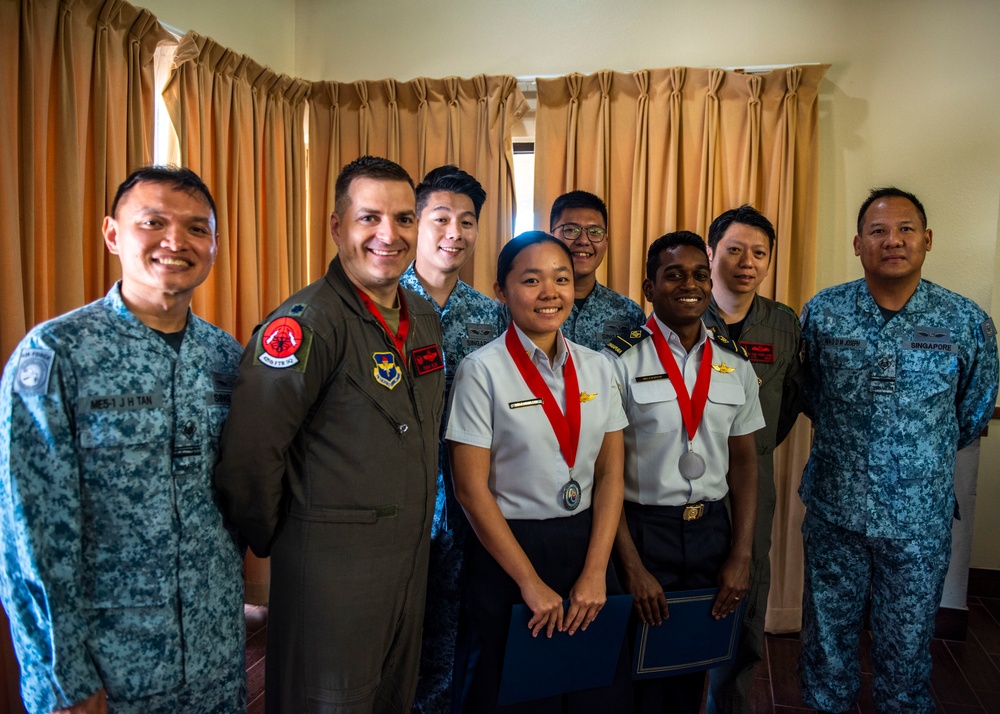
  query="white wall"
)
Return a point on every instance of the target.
[
  {"x": 263, "y": 29},
  {"x": 912, "y": 96}
]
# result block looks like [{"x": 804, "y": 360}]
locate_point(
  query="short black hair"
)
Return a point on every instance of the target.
[
  {"x": 576, "y": 199},
  {"x": 453, "y": 180},
  {"x": 668, "y": 241},
  {"x": 745, "y": 215},
  {"x": 889, "y": 192},
  {"x": 505, "y": 261},
  {"x": 176, "y": 177},
  {"x": 372, "y": 167}
]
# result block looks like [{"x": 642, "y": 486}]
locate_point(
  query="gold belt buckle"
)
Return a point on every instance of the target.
[{"x": 694, "y": 512}]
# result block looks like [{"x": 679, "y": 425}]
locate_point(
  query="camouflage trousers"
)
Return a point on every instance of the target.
[{"x": 903, "y": 580}]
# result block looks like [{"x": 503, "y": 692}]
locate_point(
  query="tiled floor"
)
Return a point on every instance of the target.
[{"x": 966, "y": 677}]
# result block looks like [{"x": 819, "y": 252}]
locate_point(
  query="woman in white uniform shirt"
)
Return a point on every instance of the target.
[{"x": 544, "y": 505}]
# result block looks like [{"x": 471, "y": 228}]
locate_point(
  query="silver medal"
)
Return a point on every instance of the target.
[{"x": 691, "y": 465}]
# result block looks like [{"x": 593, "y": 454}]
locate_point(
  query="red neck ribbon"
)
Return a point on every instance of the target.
[
  {"x": 398, "y": 339},
  {"x": 565, "y": 426},
  {"x": 692, "y": 406}
]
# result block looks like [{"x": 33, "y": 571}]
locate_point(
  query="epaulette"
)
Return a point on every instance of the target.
[
  {"x": 786, "y": 308},
  {"x": 730, "y": 345},
  {"x": 626, "y": 341}
]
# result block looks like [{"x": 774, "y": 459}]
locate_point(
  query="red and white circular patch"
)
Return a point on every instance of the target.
[{"x": 282, "y": 337}]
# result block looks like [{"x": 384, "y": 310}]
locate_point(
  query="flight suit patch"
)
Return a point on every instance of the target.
[
  {"x": 284, "y": 344},
  {"x": 759, "y": 352},
  {"x": 427, "y": 359},
  {"x": 386, "y": 370}
]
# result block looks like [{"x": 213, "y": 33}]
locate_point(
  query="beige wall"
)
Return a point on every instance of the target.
[{"x": 908, "y": 100}]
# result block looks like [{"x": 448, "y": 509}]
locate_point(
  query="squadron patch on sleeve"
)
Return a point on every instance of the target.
[
  {"x": 988, "y": 329},
  {"x": 283, "y": 343},
  {"x": 427, "y": 359},
  {"x": 33, "y": 370}
]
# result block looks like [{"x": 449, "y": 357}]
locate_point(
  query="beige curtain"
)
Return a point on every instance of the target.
[
  {"x": 669, "y": 149},
  {"x": 421, "y": 124},
  {"x": 240, "y": 127},
  {"x": 76, "y": 86}
]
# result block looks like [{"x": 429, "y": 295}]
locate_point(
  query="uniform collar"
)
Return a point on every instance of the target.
[
  {"x": 916, "y": 303},
  {"x": 674, "y": 341},
  {"x": 537, "y": 354},
  {"x": 127, "y": 323},
  {"x": 337, "y": 278}
]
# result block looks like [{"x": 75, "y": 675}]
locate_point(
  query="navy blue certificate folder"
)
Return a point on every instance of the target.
[
  {"x": 690, "y": 640},
  {"x": 536, "y": 667}
]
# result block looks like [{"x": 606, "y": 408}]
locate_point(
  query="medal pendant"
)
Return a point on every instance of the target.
[
  {"x": 691, "y": 465},
  {"x": 572, "y": 494}
]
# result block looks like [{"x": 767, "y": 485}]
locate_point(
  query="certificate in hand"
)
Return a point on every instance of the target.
[
  {"x": 690, "y": 640},
  {"x": 536, "y": 667}
]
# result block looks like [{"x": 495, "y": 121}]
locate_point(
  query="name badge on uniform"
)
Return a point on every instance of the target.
[
  {"x": 478, "y": 334},
  {"x": 525, "y": 403},
  {"x": 386, "y": 370},
  {"x": 427, "y": 359},
  {"x": 759, "y": 352},
  {"x": 33, "y": 370},
  {"x": 850, "y": 342},
  {"x": 935, "y": 339},
  {"x": 119, "y": 402},
  {"x": 652, "y": 377}
]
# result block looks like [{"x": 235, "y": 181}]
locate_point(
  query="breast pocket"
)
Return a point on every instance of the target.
[
  {"x": 926, "y": 374},
  {"x": 724, "y": 398},
  {"x": 845, "y": 375},
  {"x": 653, "y": 408},
  {"x": 127, "y": 504}
]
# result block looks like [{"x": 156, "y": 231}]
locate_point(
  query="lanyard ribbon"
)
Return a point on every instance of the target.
[
  {"x": 565, "y": 426},
  {"x": 692, "y": 406},
  {"x": 398, "y": 339}
]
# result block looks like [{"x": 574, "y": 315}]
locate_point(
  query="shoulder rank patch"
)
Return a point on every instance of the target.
[
  {"x": 33, "y": 370},
  {"x": 386, "y": 370},
  {"x": 729, "y": 345},
  {"x": 988, "y": 329},
  {"x": 427, "y": 359},
  {"x": 297, "y": 309},
  {"x": 622, "y": 343},
  {"x": 284, "y": 344}
]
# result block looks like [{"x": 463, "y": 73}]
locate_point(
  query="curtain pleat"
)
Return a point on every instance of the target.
[
  {"x": 421, "y": 124},
  {"x": 687, "y": 145},
  {"x": 76, "y": 84}
]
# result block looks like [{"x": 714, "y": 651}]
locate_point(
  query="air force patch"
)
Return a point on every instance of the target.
[
  {"x": 427, "y": 359},
  {"x": 33, "y": 370},
  {"x": 386, "y": 370}
]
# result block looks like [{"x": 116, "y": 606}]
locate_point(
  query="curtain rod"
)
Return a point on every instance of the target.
[{"x": 528, "y": 83}]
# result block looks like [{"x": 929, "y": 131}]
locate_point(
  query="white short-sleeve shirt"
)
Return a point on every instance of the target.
[
  {"x": 492, "y": 407},
  {"x": 656, "y": 437}
]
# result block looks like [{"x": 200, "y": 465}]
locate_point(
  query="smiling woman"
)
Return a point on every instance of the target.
[{"x": 536, "y": 453}]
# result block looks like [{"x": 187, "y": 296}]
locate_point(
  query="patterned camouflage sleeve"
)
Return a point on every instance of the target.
[
  {"x": 977, "y": 393},
  {"x": 809, "y": 376},
  {"x": 40, "y": 533}
]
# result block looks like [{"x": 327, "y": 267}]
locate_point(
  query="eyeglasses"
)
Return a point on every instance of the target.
[{"x": 572, "y": 231}]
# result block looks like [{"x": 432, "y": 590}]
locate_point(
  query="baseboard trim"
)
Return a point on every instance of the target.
[
  {"x": 984, "y": 582},
  {"x": 951, "y": 624}
]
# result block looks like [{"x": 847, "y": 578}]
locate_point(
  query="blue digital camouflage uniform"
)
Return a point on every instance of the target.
[
  {"x": 469, "y": 320},
  {"x": 771, "y": 337},
  {"x": 891, "y": 403},
  {"x": 117, "y": 570},
  {"x": 604, "y": 315}
]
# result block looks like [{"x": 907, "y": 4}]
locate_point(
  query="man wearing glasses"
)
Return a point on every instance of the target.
[{"x": 599, "y": 314}]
